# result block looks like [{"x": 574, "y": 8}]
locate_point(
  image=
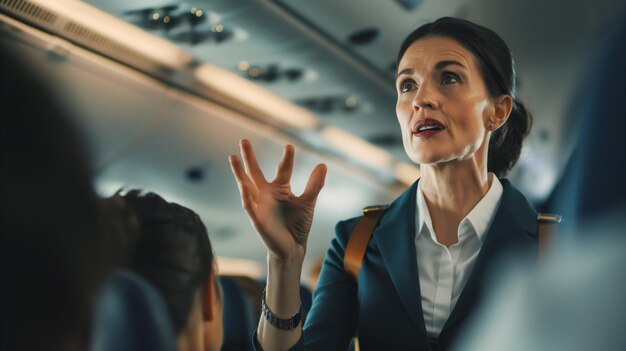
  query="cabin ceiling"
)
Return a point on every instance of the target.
[
  {"x": 334, "y": 58},
  {"x": 337, "y": 58}
]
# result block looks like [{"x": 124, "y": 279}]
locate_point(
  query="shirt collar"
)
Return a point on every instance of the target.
[
  {"x": 423, "y": 215},
  {"x": 479, "y": 217}
]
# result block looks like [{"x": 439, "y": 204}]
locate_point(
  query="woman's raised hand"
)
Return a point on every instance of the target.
[{"x": 282, "y": 219}]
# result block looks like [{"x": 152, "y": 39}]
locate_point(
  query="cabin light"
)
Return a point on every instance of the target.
[
  {"x": 244, "y": 65},
  {"x": 357, "y": 148},
  {"x": 254, "y": 72},
  {"x": 159, "y": 50},
  {"x": 406, "y": 173},
  {"x": 351, "y": 102},
  {"x": 252, "y": 99}
]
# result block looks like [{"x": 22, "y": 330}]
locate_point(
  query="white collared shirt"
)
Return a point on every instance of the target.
[{"x": 444, "y": 271}]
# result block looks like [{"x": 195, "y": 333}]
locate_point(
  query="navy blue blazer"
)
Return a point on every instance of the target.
[{"x": 386, "y": 305}]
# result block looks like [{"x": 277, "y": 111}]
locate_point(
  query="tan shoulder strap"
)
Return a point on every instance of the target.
[
  {"x": 359, "y": 238},
  {"x": 547, "y": 231}
]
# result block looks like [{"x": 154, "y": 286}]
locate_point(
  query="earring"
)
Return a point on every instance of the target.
[{"x": 490, "y": 125}]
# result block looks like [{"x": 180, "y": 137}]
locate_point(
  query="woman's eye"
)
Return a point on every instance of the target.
[
  {"x": 450, "y": 78},
  {"x": 407, "y": 86}
]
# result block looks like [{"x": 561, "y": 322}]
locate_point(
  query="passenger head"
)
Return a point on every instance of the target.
[
  {"x": 173, "y": 252},
  {"x": 53, "y": 250},
  {"x": 461, "y": 75}
]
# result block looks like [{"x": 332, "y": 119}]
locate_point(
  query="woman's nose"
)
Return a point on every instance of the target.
[{"x": 425, "y": 98}]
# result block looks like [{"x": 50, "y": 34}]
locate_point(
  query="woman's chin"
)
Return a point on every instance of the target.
[{"x": 427, "y": 158}]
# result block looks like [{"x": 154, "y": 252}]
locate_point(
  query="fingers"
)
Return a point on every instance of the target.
[
  {"x": 237, "y": 169},
  {"x": 246, "y": 187},
  {"x": 250, "y": 162},
  {"x": 285, "y": 167},
  {"x": 314, "y": 185}
]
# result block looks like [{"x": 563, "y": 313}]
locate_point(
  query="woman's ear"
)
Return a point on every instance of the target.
[
  {"x": 207, "y": 299},
  {"x": 503, "y": 106}
]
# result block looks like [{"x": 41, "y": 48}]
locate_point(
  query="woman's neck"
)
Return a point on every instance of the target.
[
  {"x": 454, "y": 185},
  {"x": 451, "y": 190},
  {"x": 191, "y": 338}
]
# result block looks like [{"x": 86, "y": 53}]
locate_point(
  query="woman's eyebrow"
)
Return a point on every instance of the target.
[
  {"x": 408, "y": 71},
  {"x": 438, "y": 66},
  {"x": 442, "y": 64}
]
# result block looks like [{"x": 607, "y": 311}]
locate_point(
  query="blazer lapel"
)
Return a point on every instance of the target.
[
  {"x": 513, "y": 230},
  {"x": 395, "y": 236}
]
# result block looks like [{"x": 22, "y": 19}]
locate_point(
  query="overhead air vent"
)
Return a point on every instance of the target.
[
  {"x": 330, "y": 104},
  {"x": 364, "y": 36},
  {"x": 84, "y": 35},
  {"x": 85, "y": 25},
  {"x": 30, "y": 11},
  {"x": 183, "y": 24},
  {"x": 216, "y": 34},
  {"x": 270, "y": 73}
]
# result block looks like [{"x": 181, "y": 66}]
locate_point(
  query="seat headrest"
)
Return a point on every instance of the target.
[{"x": 131, "y": 315}]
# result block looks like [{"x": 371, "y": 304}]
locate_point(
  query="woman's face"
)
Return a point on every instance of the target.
[{"x": 443, "y": 106}]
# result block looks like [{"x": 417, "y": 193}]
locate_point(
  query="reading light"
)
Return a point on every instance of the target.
[{"x": 244, "y": 65}]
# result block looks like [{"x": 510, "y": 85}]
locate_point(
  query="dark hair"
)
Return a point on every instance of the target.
[
  {"x": 497, "y": 68},
  {"x": 172, "y": 251},
  {"x": 53, "y": 251}
]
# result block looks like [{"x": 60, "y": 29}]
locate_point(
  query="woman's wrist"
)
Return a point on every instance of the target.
[
  {"x": 283, "y": 284},
  {"x": 286, "y": 263}
]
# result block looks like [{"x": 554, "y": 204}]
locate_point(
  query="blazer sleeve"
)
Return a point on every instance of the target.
[{"x": 332, "y": 320}]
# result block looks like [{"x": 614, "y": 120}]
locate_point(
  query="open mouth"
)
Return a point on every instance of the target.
[{"x": 425, "y": 128}]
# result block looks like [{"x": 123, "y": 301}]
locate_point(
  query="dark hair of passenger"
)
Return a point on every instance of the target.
[
  {"x": 53, "y": 250},
  {"x": 172, "y": 251},
  {"x": 496, "y": 65}
]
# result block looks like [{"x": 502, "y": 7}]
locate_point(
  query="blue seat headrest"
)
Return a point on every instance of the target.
[
  {"x": 239, "y": 319},
  {"x": 130, "y": 316}
]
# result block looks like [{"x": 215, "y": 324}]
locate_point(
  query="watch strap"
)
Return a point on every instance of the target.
[{"x": 290, "y": 323}]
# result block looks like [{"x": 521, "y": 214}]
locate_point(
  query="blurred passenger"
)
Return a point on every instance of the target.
[
  {"x": 575, "y": 301},
  {"x": 424, "y": 269},
  {"x": 54, "y": 254},
  {"x": 173, "y": 253},
  {"x": 130, "y": 314}
]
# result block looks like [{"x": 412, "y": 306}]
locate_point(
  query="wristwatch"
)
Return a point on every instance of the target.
[{"x": 290, "y": 323}]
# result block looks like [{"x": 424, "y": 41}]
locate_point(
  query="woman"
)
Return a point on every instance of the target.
[
  {"x": 461, "y": 123},
  {"x": 172, "y": 251}
]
